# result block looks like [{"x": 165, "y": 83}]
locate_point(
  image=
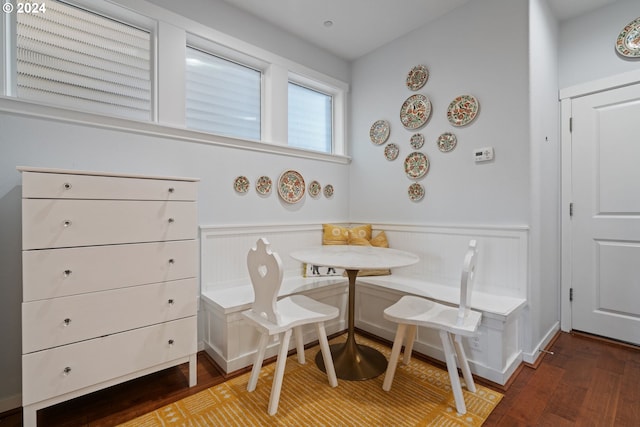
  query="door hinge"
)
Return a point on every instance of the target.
[
  {"x": 570, "y": 124},
  {"x": 570, "y": 294},
  {"x": 571, "y": 209}
]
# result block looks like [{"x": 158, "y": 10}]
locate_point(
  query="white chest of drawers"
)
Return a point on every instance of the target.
[{"x": 109, "y": 281}]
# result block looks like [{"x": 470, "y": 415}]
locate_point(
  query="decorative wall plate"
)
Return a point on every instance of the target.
[
  {"x": 415, "y": 111},
  {"x": 447, "y": 142},
  {"x": 416, "y": 192},
  {"x": 379, "y": 132},
  {"x": 417, "y": 77},
  {"x": 241, "y": 184},
  {"x": 462, "y": 110},
  {"x": 263, "y": 185},
  {"x": 416, "y": 165},
  {"x": 314, "y": 188},
  {"x": 391, "y": 151},
  {"x": 417, "y": 141},
  {"x": 291, "y": 186},
  {"x": 328, "y": 191},
  {"x": 628, "y": 43}
]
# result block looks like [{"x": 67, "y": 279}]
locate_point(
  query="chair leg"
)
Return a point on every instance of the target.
[
  {"x": 449, "y": 354},
  {"x": 279, "y": 373},
  {"x": 464, "y": 364},
  {"x": 326, "y": 355},
  {"x": 410, "y": 338},
  {"x": 257, "y": 363},
  {"x": 299, "y": 344},
  {"x": 393, "y": 359}
]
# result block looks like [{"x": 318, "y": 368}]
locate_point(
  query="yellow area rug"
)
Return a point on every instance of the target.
[{"x": 420, "y": 396}]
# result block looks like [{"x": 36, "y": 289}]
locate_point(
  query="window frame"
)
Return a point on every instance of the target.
[
  {"x": 174, "y": 32},
  {"x": 332, "y": 115},
  {"x": 104, "y": 9},
  {"x": 223, "y": 52}
]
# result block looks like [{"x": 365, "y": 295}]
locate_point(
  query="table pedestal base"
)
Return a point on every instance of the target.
[{"x": 354, "y": 362}]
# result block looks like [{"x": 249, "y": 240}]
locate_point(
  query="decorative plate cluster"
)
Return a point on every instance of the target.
[
  {"x": 290, "y": 186},
  {"x": 462, "y": 111}
]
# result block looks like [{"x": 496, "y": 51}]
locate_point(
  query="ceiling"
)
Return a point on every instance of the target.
[{"x": 360, "y": 26}]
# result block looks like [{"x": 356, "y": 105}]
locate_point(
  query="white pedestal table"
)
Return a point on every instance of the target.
[{"x": 354, "y": 361}]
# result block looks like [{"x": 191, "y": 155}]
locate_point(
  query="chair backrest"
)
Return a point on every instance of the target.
[
  {"x": 265, "y": 270},
  {"x": 466, "y": 281}
]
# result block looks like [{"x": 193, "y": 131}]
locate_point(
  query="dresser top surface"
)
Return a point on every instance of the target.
[{"x": 99, "y": 173}]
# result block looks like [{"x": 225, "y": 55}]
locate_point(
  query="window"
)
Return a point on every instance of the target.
[
  {"x": 74, "y": 58},
  {"x": 310, "y": 119},
  {"x": 222, "y": 96}
]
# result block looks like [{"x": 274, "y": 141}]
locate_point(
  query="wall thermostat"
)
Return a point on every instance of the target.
[{"x": 483, "y": 154}]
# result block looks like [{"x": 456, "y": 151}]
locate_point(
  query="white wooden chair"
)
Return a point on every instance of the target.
[
  {"x": 453, "y": 323},
  {"x": 273, "y": 317}
]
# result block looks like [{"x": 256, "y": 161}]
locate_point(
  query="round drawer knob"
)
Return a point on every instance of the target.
[
  {"x": 66, "y": 370},
  {"x": 66, "y": 223},
  {"x": 171, "y": 301},
  {"x": 67, "y": 273},
  {"x": 67, "y": 321},
  {"x": 171, "y": 189},
  {"x": 171, "y": 220},
  {"x": 172, "y": 261},
  {"x": 170, "y": 342},
  {"x": 67, "y": 186}
]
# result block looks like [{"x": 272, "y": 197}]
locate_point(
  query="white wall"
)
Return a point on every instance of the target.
[
  {"x": 237, "y": 23},
  {"x": 33, "y": 141},
  {"x": 478, "y": 49},
  {"x": 544, "y": 261},
  {"x": 587, "y": 44}
]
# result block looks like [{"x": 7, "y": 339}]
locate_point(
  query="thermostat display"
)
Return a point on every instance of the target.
[{"x": 483, "y": 154}]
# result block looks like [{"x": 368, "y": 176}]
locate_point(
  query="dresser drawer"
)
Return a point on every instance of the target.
[
  {"x": 71, "y": 186},
  {"x": 45, "y": 373},
  {"x": 69, "y": 271},
  {"x": 60, "y": 223},
  {"x": 65, "y": 320}
]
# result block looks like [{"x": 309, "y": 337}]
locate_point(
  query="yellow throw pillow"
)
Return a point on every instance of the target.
[
  {"x": 337, "y": 235},
  {"x": 379, "y": 241},
  {"x": 334, "y": 235}
]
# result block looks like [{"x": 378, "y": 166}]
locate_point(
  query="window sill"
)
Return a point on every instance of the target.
[{"x": 13, "y": 106}]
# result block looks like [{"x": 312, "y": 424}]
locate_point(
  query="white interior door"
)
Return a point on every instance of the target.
[{"x": 605, "y": 226}]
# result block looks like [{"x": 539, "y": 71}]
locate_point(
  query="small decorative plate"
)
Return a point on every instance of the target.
[
  {"x": 447, "y": 142},
  {"x": 416, "y": 192},
  {"x": 417, "y": 141},
  {"x": 628, "y": 43},
  {"x": 291, "y": 186},
  {"x": 263, "y": 185},
  {"x": 241, "y": 184},
  {"x": 415, "y": 111},
  {"x": 462, "y": 110},
  {"x": 314, "y": 188},
  {"x": 417, "y": 77},
  {"x": 328, "y": 191},
  {"x": 416, "y": 165},
  {"x": 379, "y": 132},
  {"x": 391, "y": 151}
]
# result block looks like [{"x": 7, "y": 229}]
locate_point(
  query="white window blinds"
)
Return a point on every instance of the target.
[
  {"x": 74, "y": 58},
  {"x": 310, "y": 119},
  {"x": 222, "y": 97}
]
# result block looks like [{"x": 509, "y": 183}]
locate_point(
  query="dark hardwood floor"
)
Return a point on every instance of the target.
[{"x": 586, "y": 382}]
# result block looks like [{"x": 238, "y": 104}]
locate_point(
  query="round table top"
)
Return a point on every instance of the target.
[{"x": 351, "y": 257}]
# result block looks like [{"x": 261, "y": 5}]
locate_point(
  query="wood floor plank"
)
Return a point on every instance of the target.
[{"x": 586, "y": 382}]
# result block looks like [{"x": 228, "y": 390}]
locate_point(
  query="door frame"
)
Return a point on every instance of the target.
[{"x": 566, "y": 96}]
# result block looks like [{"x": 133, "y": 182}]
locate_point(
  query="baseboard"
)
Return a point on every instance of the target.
[{"x": 532, "y": 358}]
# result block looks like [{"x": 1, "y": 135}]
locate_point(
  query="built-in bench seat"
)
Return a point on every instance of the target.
[
  {"x": 491, "y": 305},
  {"x": 495, "y": 354},
  {"x": 238, "y": 297}
]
